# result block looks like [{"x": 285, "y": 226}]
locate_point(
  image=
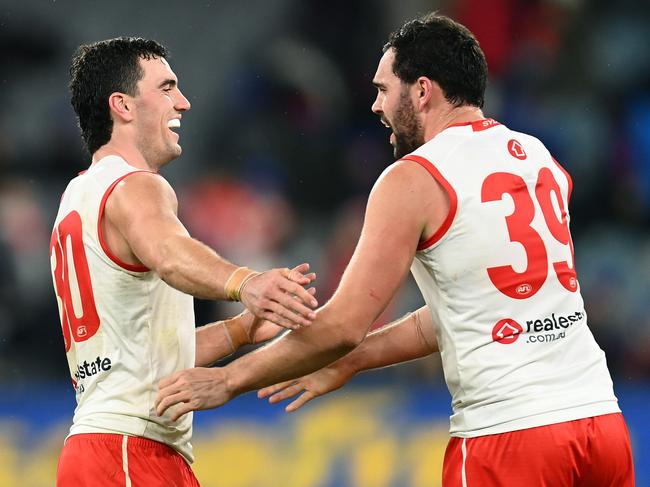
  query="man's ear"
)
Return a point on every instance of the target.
[
  {"x": 121, "y": 106},
  {"x": 428, "y": 92}
]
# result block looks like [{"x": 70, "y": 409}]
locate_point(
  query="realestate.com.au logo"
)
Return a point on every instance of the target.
[
  {"x": 506, "y": 331},
  {"x": 541, "y": 330}
]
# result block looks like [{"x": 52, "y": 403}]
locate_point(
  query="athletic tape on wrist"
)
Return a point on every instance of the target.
[
  {"x": 228, "y": 337},
  {"x": 236, "y": 334},
  {"x": 236, "y": 281}
]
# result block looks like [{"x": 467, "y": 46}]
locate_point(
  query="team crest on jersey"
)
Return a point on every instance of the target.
[{"x": 516, "y": 149}]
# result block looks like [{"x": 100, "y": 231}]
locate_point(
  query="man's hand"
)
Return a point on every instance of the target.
[
  {"x": 261, "y": 330},
  {"x": 316, "y": 384},
  {"x": 278, "y": 296},
  {"x": 191, "y": 390}
]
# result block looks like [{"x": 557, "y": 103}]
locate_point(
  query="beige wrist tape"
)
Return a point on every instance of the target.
[
  {"x": 235, "y": 334},
  {"x": 236, "y": 281}
]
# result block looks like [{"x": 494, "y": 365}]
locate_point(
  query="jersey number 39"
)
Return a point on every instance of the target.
[{"x": 522, "y": 285}]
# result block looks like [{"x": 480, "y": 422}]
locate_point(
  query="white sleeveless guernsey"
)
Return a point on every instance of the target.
[
  {"x": 124, "y": 328},
  {"x": 499, "y": 280}
]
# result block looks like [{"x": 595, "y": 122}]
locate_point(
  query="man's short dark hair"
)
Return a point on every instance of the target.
[
  {"x": 444, "y": 51},
  {"x": 102, "y": 68}
]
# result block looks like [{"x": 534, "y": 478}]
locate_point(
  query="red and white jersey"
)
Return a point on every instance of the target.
[
  {"x": 499, "y": 280},
  {"x": 124, "y": 328}
]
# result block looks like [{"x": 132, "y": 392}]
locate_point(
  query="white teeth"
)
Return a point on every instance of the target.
[{"x": 174, "y": 123}]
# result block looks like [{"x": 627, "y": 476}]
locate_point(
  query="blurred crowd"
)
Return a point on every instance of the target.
[{"x": 283, "y": 151}]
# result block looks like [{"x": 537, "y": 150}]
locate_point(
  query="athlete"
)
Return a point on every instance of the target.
[
  {"x": 479, "y": 213},
  {"x": 125, "y": 270}
]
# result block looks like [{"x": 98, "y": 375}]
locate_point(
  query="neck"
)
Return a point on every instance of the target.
[
  {"x": 439, "y": 121},
  {"x": 126, "y": 151}
]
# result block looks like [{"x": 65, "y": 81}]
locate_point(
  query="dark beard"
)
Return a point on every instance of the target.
[{"x": 408, "y": 131}]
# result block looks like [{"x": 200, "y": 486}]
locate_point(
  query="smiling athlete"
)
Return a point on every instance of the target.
[{"x": 125, "y": 270}]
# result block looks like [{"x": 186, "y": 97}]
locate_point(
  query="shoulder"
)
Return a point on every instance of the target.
[
  {"x": 408, "y": 183},
  {"x": 405, "y": 169},
  {"x": 143, "y": 183},
  {"x": 404, "y": 174},
  {"x": 141, "y": 190}
]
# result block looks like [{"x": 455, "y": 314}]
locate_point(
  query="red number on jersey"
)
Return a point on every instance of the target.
[
  {"x": 522, "y": 285},
  {"x": 67, "y": 241},
  {"x": 518, "y": 285},
  {"x": 547, "y": 185}
]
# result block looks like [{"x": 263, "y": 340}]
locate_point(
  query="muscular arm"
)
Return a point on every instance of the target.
[
  {"x": 142, "y": 211},
  {"x": 141, "y": 227},
  {"x": 407, "y": 338},
  {"x": 391, "y": 231},
  {"x": 405, "y": 205}
]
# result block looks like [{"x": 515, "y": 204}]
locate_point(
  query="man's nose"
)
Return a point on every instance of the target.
[
  {"x": 376, "y": 106},
  {"x": 182, "y": 104}
]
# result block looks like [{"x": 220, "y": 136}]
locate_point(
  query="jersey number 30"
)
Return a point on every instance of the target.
[
  {"x": 522, "y": 285},
  {"x": 79, "y": 318}
]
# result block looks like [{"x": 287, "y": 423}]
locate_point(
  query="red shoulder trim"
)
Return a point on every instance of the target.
[
  {"x": 568, "y": 177},
  {"x": 100, "y": 233},
  {"x": 451, "y": 193}
]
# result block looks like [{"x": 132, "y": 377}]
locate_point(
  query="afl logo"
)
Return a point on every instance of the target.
[
  {"x": 573, "y": 283},
  {"x": 506, "y": 331},
  {"x": 516, "y": 149},
  {"x": 523, "y": 289}
]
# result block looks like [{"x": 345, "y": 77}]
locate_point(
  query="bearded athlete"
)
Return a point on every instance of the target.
[{"x": 479, "y": 213}]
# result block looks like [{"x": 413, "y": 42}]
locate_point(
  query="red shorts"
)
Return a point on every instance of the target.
[
  {"x": 113, "y": 460},
  {"x": 590, "y": 452}
]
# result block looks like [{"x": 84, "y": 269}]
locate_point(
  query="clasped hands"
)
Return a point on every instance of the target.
[{"x": 277, "y": 298}]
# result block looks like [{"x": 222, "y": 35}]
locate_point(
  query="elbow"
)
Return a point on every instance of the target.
[
  {"x": 166, "y": 269},
  {"x": 348, "y": 338},
  {"x": 344, "y": 331}
]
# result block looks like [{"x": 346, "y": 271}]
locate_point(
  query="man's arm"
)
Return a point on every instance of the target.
[
  {"x": 141, "y": 226},
  {"x": 217, "y": 340},
  {"x": 408, "y": 338},
  {"x": 405, "y": 205}
]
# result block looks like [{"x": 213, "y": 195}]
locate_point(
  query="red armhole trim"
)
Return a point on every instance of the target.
[
  {"x": 568, "y": 177},
  {"x": 100, "y": 234},
  {"x": 453, "y": 200}
]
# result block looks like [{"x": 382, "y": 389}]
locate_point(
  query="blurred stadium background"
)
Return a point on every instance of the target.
[{"x": 280, "y": 151}]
